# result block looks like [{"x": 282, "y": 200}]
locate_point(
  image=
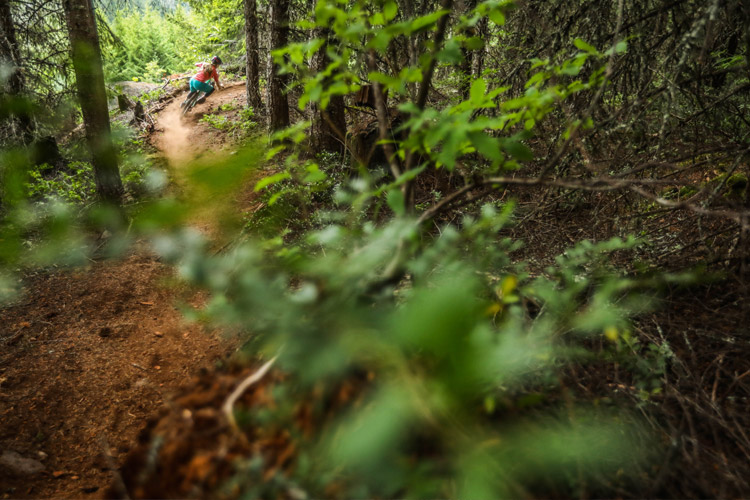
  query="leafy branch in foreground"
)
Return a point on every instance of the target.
[{"x": 441, "y": 361}]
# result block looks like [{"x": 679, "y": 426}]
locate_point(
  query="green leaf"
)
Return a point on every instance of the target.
[
  {"x": 518, "y": 150},
  {"x": 271, "y": 179},
  {"x": 536, "y": 62},
  {"x": 571, "y": 70},
  {"x": 411, "y": 75},
  {"x": 380, "y": 41},
  {"x": 367, "y": 436},
  {"x": 535, "y": 78},
  {"x": 478, "y": 89},
  {"x": 619, "y": 48},
  {"x": 497, "y": 17},
  {"x": 274, "y": 151},
  {"x": 395, "y": 200},
  {"x": 314, "y": 174},
  {"x": 377, "y": 19},
  {"x": 488, "y": 146},
  {"x": 277, "y": 196},
  {"x": 389, "y": 82},
  {"x": 427, "y": 21},
  {"x": 451, "y": 52},
  {"x": 408, "y": 175},
  {"x": 584, "y": 46},
  {"x": 474, "y": 43},
  {"x": 450, "y": 150},
  {"x": 390, "y": 10}
]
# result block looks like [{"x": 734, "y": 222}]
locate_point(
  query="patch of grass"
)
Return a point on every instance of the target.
[
  {"x": 150, "y": 96},
  {"x": 238, "y": 127},
  {"x": 219, "y": 122}
]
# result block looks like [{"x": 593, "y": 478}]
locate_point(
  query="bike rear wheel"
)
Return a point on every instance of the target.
[{"x": 190, "y": 102}]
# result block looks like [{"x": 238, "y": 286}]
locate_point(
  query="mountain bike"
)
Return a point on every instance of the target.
[{"x": 192, "y": 100}]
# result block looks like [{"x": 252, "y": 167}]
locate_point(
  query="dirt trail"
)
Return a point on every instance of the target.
[
  {"x": 185, "y": 138},
  {"x": 87, "y": 355},
  {"x": 190, "y": 146},
  {"x": 174, "y": 140}
]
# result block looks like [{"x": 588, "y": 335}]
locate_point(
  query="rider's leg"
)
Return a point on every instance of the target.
[
  {"x": 207, "y": 88},
  {"x": 193, "y": 90},
  {"x": 190, "y": 94}
]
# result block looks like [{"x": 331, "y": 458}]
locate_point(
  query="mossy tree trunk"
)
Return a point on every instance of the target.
[
  {"x": 22, "y": 125},
  {"x": 278, "y": 104},
  {"x": 328, "y": 125},
  {"x": 87, "y": 62},
  {"x": 252, "y": 68}
]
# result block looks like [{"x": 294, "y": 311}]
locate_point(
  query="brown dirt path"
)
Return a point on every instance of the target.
[
  {"x": 87, "y": 355},
  {"x": 189, "y": 144},
  {"x": 183, "y": 138}
]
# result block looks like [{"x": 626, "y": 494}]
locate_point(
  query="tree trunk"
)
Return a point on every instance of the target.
[
  {"x": 10, "y": 57},
  {"x": 412, "y": 43},
  {"x": 251, "y": 50},
  {"x": 745, "y": 5},
  {"x": 464, "y": 69},
  {"x": 477, "y": 57},
  {"x": 87, "y": 62},
  {"x": 278, "y": 104},
  {"x": 329, "y": 124}
]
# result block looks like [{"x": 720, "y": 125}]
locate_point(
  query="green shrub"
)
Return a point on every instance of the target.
[
  {"x": 447, "y": 356},
  {"x": 239, "y": 128},
  {"x": 74, "y": 184},
  {"x": 152, "y": 45}
]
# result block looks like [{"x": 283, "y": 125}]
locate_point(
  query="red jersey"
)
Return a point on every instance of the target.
[{"x": 202, "y": 76}]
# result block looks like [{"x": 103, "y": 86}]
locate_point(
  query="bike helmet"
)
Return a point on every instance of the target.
[{"x": 215, "y": 60}]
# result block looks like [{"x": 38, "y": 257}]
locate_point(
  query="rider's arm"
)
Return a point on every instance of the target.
[{"x": 216, "y": 78}]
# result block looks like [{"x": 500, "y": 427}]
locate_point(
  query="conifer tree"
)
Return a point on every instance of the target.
[{"x": 87, "y": 61}]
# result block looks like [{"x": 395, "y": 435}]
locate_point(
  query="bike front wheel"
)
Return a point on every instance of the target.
[{"x": 189, "y": 103}]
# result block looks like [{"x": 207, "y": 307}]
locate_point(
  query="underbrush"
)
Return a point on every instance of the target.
[
  {"x": 480, "y": 321},
  {"x": 74, "y": 181},
  {"x": 295, "y": 203},
  {"x": 239, "y": 126},
  {"x": 75, "y": 184},
  {"x": 563, "y": 259},
  {"x": 440, "y": 376}
]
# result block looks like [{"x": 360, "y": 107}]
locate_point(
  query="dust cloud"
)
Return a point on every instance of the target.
[{"x": 174, "y": 142}]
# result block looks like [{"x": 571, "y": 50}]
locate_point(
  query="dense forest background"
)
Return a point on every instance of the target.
[{"x": 487, "y": 248}]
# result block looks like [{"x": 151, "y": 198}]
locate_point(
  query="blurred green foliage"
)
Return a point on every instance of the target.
[
  {"x": 220, "y": 30},
  {"x": 456, "y": 352},
  {"x": 440, "y": 346},
  {"x": 151, "y": 45},
  {"x": 74, "y": 184},
  {"x": 239, "y": 127}
]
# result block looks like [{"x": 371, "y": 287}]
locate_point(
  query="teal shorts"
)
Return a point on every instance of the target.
[{"x": 196, "y": 86}]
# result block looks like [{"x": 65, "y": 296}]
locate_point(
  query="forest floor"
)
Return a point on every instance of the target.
[
  {"x": 87, "y": 355},
  {"x": 92, "y": 358}
]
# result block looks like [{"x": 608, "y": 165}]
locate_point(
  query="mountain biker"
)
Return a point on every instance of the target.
[{"x": 199, "y": 82}]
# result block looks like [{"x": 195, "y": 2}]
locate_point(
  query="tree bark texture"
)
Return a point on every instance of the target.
[
  {"x": 745, "y": 6},
  {"x": 465, "y": 76},
  {"x": 9, "y": 56},
  {"x": 477, "y": 56},
  {"x": 252, "y": 69},
  {"x": 329, "y": 125},
  {"x": 412, "y": 43},
  {"x": 87, "y": 62},
  {"x": 278, "y": 104}
]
